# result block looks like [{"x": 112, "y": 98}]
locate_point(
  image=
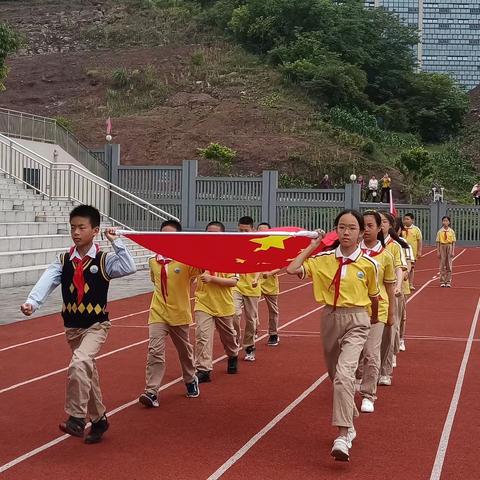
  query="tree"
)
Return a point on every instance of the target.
[
  {"x": 9, "y": 42},
  {"x": 437, "y": 106}
]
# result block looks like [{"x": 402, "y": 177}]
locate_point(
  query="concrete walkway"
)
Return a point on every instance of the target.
[{"x": 12, "y": 298}]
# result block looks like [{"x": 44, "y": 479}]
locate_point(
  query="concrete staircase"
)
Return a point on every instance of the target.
[{"x": 33, "y": 230}]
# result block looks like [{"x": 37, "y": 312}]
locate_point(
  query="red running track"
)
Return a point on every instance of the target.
[{"x": 193, "y": 438}]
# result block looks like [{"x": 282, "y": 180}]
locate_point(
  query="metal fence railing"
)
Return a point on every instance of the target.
[
  {"x": 43, "y": 129},
  {"x": 198, "y": 200},
  {"x": 71, "y": 182}
]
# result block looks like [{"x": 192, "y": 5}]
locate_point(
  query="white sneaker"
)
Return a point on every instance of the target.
[
  {"x": 250, "y": 357},
  {"x": 402, "y": 345},
  {"x": 340, "y": 449},
  {"x": 385, "y": 380},
  {"x": 394, "y": 361},
  {"x": 367, "y": 406}
]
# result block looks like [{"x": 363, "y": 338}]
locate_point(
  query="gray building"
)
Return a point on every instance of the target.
[{"x": 449, "y": 33}]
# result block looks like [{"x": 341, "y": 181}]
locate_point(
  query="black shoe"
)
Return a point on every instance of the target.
[
  {"x": 273, "y": 340},
  {"x": 149, "y": 400},
  {"x": 73, "y": 426},
  {"x": 192, "y": 388},
  {"x": 97, "y": 430},
  {"x": 232, "y": 366},
  {"x": 203, "y": 376}
]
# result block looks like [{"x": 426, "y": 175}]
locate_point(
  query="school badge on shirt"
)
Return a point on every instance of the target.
[
  {"x": 93, "y": 269},
  {"x": 360, "y": 275}
]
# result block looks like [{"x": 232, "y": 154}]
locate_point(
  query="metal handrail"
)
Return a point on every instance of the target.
[
  {"x": 82, "y": 151},
  {"x": 52, "y": 173}
]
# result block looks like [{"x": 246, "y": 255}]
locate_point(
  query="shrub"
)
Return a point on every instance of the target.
[{"x": 219, "y": 153}]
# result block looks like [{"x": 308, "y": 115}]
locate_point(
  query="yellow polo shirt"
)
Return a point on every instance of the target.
[
  {"x": 386, "y": 274},
  {"x": 413, "y": 235},
  {"x": 176, "y": 309},
  {"x": 451, "y": 238},
  {"x": 397, "y": 251},
  {"x": 270, "y": 285},
  {"x": 244, "y": 285},
  {"x": 358, "y": 283},
  {"x": 214, "y": 299}
]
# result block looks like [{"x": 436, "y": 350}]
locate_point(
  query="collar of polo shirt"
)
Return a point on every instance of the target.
[
  {"x": 353, "y": 257},
  {"x": 376, "y": 248}
]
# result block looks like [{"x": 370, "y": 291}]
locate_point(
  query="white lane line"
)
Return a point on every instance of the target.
[
  {"x": 447, "y": 427},
  {"x": 243, "y": 450},
  {"x": 10, "y": 347},
  {"x": 444, "y": 339},
  {"x": 107, "y": 354},
  {"x": 57, "y": 440}
]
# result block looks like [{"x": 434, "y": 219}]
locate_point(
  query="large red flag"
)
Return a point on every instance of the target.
[{"x": 230, "y": 252}]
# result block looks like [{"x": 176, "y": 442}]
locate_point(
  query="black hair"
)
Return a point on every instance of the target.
[
  {"x": 378, "y": 221},
  {"x": 410, "y": 215},
  {"x": 216, "y": 224},
  {"x": 87, "y": 211},
  {"x": 356, "y": 214},
  {"x": 264, "y": 223},
  {"x": 391, "y": 231},
  {"x": 246, "y": 221},
  {"x": 171, "y": 223}
]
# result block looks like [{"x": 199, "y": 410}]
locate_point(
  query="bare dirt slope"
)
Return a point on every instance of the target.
[{"x": 61, "y": 72}]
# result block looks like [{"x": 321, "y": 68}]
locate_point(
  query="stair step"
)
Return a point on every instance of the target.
[{"x": 32, "y": 228}]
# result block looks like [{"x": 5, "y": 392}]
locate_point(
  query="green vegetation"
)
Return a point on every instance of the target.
[
  {"x": 9, "y": 43},
  {"x": 221, "y": 154},
  {"x": 134, "y": 90},
  {"x": 346, "y": 74}
]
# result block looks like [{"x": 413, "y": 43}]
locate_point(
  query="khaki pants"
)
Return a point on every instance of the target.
[
  {"x": 446, "y": 262},
  {"x": 400, "y": 313},
  {"x": 344, "y": 333},
  {"x": 156, "y": 354},
  {"x": 370, "y": 361},
  {"x": 391, "y": 340},
  {"x": 272, "y": 305},
  {"x": 204, "y": 338},
  {"x": 83, "y": 395},
  {"x": 250, "y": 306}
]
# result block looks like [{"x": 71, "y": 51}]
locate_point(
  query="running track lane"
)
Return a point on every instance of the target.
[
  {"x": 284, "y": 371},
  {"x": 127, "y": 332},
  {"x": 400, "y": 439},
  {"x": 122, "y": 377}
]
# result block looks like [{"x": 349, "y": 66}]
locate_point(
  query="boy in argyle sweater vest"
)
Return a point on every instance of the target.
[{"x": 84, "y": 273}]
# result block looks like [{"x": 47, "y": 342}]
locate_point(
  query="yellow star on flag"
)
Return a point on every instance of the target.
[
  {"x": 240, "y": 260},
  {"x": 274, "y": 241}
]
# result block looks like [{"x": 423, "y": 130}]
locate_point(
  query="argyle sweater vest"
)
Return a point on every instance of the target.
[{"x": 93, "y": 307}]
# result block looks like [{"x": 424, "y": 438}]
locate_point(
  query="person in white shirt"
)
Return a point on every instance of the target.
[
  {"x": 476, "y": 193},
  {"x": 372, "y": 189}
]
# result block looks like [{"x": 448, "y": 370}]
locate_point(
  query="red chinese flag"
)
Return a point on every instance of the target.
[{"x": 229, "y": 252}]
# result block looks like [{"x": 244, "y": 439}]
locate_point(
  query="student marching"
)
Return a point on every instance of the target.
[{"x": 84, "y": 273}]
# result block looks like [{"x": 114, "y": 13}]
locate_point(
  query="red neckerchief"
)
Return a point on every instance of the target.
[
  {"x": 445, "y": 234},
  {"x": 338, "y": 278},
  {"x": 371, "y": 253},
  {"x": 163, "y": 274},
  {"x": 78, "y": 277}
]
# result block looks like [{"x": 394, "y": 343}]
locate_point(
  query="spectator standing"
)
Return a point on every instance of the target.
[
  {"x": 386, "y": 188},
  {"x": 476, "y": 193},
  {"x": 372, "y": 189},
  {"x": 326, "y": 182}
]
